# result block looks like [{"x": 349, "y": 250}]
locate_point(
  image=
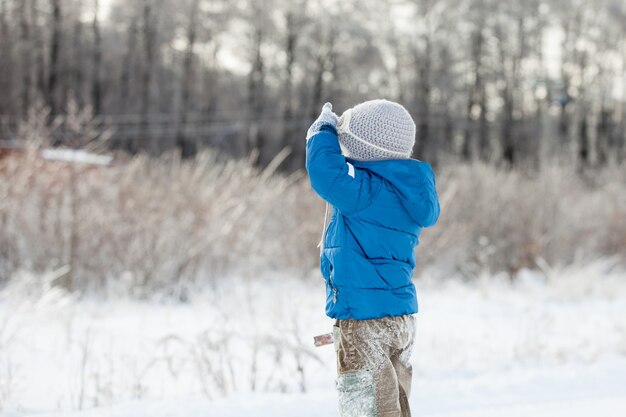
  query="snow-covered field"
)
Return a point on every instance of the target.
[{"x": 550, "y": 344}]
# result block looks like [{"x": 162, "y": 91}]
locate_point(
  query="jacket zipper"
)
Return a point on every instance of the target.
[
  {"x": 335, "y": 291},
  {"x": 332, "y": 287},
  {"x": 321, "y": 246}
]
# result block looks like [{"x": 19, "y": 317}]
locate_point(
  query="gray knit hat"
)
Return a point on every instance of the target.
[{"x": 376, "y": 130}]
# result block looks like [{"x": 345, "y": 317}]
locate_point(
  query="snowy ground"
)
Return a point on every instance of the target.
[{"x": 550, "y": 345}]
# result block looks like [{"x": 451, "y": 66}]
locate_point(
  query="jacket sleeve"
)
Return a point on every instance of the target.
[
  {"x": 429, "y": 198},
  {"x": 347, "y": 188},
  {"x": 431, "y": 208}
]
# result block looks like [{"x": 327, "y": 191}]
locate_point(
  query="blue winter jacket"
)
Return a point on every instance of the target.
[{"x": 379, "y": 210}]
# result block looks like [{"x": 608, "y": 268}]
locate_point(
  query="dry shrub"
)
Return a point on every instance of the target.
[
  {"x": 166, "y": 223},
  {"x": 154, "y": 222},
  {"x": 496, "y": 220}
]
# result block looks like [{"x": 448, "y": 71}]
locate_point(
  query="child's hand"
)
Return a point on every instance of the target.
[{"x": 326, "y": 117}]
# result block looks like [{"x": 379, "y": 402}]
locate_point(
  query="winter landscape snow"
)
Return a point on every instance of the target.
[
  {"x": 159, "y": 219},
  {"x": 549, "y": 344}
]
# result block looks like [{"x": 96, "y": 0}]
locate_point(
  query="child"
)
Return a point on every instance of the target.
[{"x": 381, "y": 199}]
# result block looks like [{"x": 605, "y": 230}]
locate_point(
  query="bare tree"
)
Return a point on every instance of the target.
[
  {"x": 128, "y": 64},
  {"x": 39, "y": 49},
  {"x": 620, "y": 145},
  {"x": 6, "y": 49},
  {"x": 149, "y": 55},
  {"x": 512, "y": 50},
  {"x": 477, "y": 94},
  {"x": 27, "y": 62},
  {"x": 423, "y": 61},
  {"x": 78, "y": 76},
  {"x": 260, "y": 22},
  {"x": 96, "y": 86},
  {"x": 182, "y": 142},
  {"x": 54, "y": 64},
  {"x": 294, "y": 21}
]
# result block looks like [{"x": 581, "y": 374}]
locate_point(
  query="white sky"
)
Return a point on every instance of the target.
[
  {"x": 552, "y": 50},
  {"x": 105, "y": 7}
]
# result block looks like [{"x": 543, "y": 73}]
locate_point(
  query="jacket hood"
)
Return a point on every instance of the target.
[{"x": 414, "y": 183}]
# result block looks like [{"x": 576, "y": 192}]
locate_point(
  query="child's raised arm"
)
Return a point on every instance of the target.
[{"x": 332, "y": 177}]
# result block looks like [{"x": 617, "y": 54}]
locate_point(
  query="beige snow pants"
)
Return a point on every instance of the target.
[{"x": 373, "y": 369}]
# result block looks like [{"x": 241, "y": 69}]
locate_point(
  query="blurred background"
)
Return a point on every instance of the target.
[{"x": 158, "y": 232}]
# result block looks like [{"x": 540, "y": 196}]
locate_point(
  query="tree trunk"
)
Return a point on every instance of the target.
[
  {"x": 255, "y": 95},
  {"x": 513, "y": 139},
  {"x": 581, "y": 121},
  {"x": 26, "y": 47},
  {"x": 129, "y": 144},
  {"x": 6, "y": 67},
  {"x": 96, "y": 87},
  {"x": 542, "y": 138},
  {"x": 476, "y": 98},
  {"x": 54, "y": 59},
  {"x": 564, "y": 99},
  {"x": 77, "y": 79},
  {"x": 620, "y": 146},
  {"x": 445, "y": 122},
  {"x": 423, "y": 149},
  {"x": 147, "y": 143},
  {"x": 506, "y": 116},
  {"x": 325, "y": 62},
  {"x": 290, "y": 138},
  {"x": 38, "y": 46},
  {"x": 187, "y": 148},
  {"x": 521, "y": 139},
  {"x": 128, "y": 65},
  {"x": 603, "y": 131}
]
